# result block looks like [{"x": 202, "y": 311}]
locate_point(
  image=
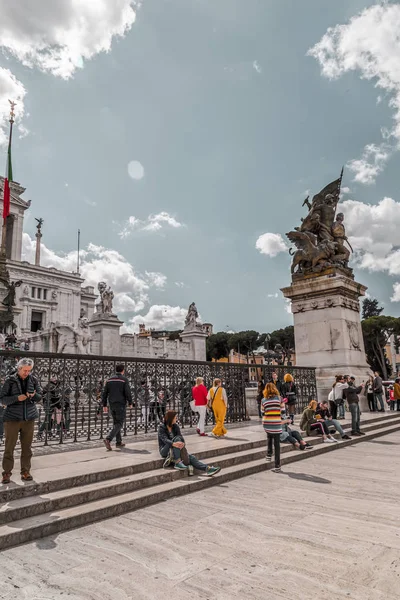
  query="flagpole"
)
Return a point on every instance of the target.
[
  {"x": 79, "y": 248},
  {"x": 4, "y": 227}
]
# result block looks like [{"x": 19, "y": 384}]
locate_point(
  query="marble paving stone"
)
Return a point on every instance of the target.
[{"x": 263, "y": 537}]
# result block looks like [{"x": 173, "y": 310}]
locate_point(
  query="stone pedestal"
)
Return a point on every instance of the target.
[
  {"x": 197, "y": 339},
  {"x": 327, "y": 327},
  {"x": 104, "y": 329}
]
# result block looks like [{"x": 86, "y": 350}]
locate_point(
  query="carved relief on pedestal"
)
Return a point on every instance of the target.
[{"x": 354, "y": 335}]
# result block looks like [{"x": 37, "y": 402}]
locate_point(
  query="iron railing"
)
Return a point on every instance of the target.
[{"x": 71, "y": 408}]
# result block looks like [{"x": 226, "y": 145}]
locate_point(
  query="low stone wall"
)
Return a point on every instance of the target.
[{"x": 251, "y": 402}]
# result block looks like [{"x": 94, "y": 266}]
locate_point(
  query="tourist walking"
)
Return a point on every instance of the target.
[
  {"x": 199, "y": 395},
  {"x": 19, "y": 395},
  {"x": 272, "y": 423},
  {"x": 396, "y": 392},
  {"x": 289, "y": 391},
  {"x": 378, "y": 392},
  {"x": 351, "y": 394},
  {"x": 369, "y": 392},
  {"x": 218, "y": 402},
  {"x": 310, "y": 423},
  {"x": 116, "y": 393},
  {"x": 172, "y": 447}
]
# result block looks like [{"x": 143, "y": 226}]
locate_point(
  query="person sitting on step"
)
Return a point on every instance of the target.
[
  {"x": 325, "y": 415},
  {"x": 172, "y": 448},
  {"x": 291, "y": 436},
  {"x": 310, "y": 423}
]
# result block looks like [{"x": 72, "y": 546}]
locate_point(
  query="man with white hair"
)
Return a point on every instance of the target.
[{"x": 19, "y": 395}]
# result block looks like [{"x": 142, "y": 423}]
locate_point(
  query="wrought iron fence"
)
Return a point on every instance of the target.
[{"x": 71, "y": 408}]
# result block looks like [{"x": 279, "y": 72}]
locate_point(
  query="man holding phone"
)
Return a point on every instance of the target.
[{"x": 19, "y": 395}]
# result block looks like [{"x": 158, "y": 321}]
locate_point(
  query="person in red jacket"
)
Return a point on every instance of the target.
[{"x": 199, "y": 395}]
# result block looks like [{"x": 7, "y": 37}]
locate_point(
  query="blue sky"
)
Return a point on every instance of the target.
[{"x": 233, "y": 122}]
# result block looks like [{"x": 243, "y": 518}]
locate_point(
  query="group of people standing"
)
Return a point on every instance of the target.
[{"x": 322, "y": 418}]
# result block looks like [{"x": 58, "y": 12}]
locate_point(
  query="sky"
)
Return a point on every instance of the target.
[{"x": 181, "y": 137}]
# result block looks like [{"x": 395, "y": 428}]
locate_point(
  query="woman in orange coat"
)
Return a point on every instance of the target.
[{"x": 218, "y": 401}]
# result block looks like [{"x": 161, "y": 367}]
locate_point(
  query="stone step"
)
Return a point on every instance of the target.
[
  {"x": 83, "y": 513},
  {"x": 41, "y": 502},
  {"x": 104, "y": 474}
]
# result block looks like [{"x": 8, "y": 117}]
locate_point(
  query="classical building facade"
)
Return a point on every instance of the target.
[{"x": 50, "y": 310}]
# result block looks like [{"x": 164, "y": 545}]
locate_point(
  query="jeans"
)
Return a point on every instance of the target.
[
  {"x": 259, "y": 409},
  {"x": 342, "y": 413},
  {"x": 334, "y": 423},
  {"x": 333, "y": 408},
  {"x": 202, "y": 411},
  {"x": 118, "y": 414},
  {"x": 371, "y": 402},
  {"x": 274, "y": 438},
  {"x": 355, "y": 417},
  {"x": 379, "y": 398},
  {"x": 193, "y": 461},
  {"x": 294, "y": 437}
]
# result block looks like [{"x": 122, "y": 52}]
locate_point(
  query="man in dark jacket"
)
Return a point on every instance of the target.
[
  {"x": 378, "y": 392},
  {"x": 351, "y": 395},
  {"x": 19, "y": 395},
  {"x": 117, "y": 394}
]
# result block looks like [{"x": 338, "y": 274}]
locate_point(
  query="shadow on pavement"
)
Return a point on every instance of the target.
[{"x": 305, "y": 477}]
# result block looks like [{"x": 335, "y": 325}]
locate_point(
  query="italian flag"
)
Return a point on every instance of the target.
[{"x": 7, "y": 180}]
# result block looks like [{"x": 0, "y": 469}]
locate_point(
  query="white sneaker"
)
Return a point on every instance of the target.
[
  {"x": 334, "y": 439},
  {"x": 328, "y": 441}
]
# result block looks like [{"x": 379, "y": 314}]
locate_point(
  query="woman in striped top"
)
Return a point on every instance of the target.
[{"x": 272, "y": 423}]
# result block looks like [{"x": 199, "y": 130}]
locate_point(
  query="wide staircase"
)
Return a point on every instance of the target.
[{"x": 76, "y": 488}]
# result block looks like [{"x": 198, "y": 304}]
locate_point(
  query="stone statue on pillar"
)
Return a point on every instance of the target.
[
  {"x": 324, "y": 295},
  {"x": 191, "y": 317},
  {"x": 193, "y": 333},
  {"x": 320, "y": 240},
  {"x": 105, "y": 306},
  {"x": 38, "y": 240}
]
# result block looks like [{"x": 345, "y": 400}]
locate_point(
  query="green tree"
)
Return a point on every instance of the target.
[
  {"x": 371, "y": 308},
  {"x": 377, "y": 331},
  {"x": 283, "y": 338},
  {"x": 244, "y": 342},
  {"x": 217, "y": 345}
]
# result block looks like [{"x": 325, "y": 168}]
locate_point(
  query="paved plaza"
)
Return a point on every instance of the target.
[{"x": 325, "y": 528}]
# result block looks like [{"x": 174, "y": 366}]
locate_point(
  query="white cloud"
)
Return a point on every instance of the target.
[
  {"x": 136, "y": 170},
  {"x": 288, "y": 306},
  {"x": 396, "y": 293},
  {"x": 159, "y": 317},
  {"x": 373, "y": 161},
  {"x": 346, "y": 190},
  {"x": 373, "y": 233},
  {"x": 369, "y": 44},
  {"x": 152, "y": 223},
  {"x": 273, "y": 295},
  {"x": 57, "y": 36},
  {"x": 98, "y": 263},
  {"x": 10, "y": 89},
  {"x": 157, "y": 280},
  {"x": 271, "y": 244},
  {"x": 179, "y": 284},
  {"x": 257, "y": 67}
]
